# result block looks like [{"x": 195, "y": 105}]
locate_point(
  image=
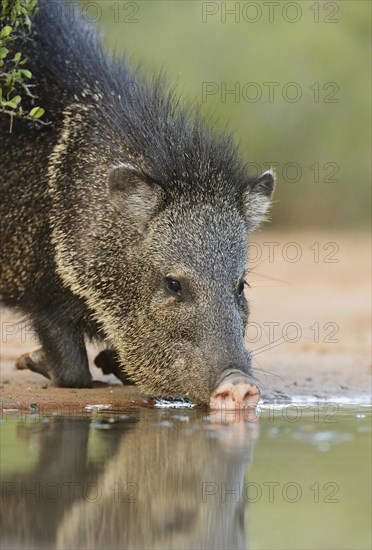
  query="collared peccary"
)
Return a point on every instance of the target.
[{"x": 126, "y": 220}]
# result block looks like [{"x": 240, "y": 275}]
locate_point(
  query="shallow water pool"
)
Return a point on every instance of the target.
[{"x": 296, "y": 477}]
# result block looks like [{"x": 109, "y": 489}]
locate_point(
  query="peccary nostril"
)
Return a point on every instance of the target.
[
  {"x": 248, "y": 396},
  {"x": 235, "y": 392},
  {"x": 223, "y": 395}
]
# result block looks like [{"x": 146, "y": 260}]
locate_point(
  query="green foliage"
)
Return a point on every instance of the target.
[{"x": 15, "y": 78}]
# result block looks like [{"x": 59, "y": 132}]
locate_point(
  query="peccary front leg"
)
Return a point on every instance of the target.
[
  {"x": 108, "y": 361},
  {"x": 62, "y": 358}
]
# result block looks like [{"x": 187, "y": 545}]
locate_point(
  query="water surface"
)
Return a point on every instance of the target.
[{"x": 180, "y": 478}]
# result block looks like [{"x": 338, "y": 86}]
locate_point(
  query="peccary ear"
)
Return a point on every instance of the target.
[
  {"x": 134, "y": 195},
  {"x": 256, "y": 198}
]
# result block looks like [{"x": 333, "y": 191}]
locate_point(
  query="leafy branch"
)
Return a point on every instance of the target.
[{"x": 15, "y": 78}]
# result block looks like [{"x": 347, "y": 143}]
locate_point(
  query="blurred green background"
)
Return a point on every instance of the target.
[{"x": 300, "y": 77}]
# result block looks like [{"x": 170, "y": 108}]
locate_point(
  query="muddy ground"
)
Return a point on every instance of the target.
[{"x": 310, "y": 329}]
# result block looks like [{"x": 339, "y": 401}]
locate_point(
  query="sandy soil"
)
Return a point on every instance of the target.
[{"x": 310, "y": 329}]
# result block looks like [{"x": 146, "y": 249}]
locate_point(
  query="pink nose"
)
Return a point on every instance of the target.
[{"x": 235, "y": 392}]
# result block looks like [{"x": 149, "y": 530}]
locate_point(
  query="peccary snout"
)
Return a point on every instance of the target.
[{"x": 234, "y": 391}]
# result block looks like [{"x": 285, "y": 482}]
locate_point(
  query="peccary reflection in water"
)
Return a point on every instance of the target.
[{"x": 164, "y": 485}]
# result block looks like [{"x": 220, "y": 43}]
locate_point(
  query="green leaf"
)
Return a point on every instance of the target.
[
  {"x": 17, "y": 57},
  {"x": 26, "y": 73},
  {"x": 3, "y": 52},
  {"x": 6, "y": 31},
  {"x": 36, "y": 112},
  {"x": 9, "y": 80},
  {"x": 13, "y": 103}
]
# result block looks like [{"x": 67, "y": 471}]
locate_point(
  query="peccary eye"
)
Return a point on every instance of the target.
[
  {"x": 173, "y": 286},
  {"x": 241, "y": 288}
]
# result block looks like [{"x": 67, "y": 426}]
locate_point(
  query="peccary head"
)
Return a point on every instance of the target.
[{"x": 182, "y": 278}]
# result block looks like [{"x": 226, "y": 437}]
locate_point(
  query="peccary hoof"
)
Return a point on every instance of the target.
[
  {"x": 107, "y": 360},
  {"x": 36, "y": 361},
  {"x": 33, "y": 361}
]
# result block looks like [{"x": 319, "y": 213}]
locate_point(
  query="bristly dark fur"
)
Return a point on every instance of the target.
[{"x": 66, "y": 55}]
